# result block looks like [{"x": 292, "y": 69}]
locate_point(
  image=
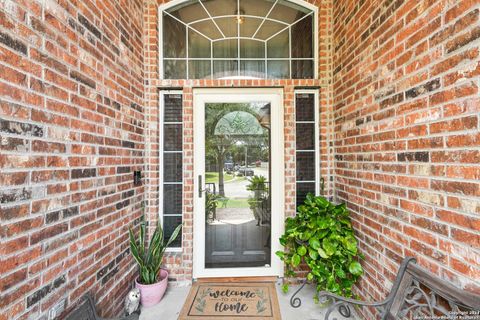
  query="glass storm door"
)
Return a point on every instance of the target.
[{"x": 238, "y": 151}]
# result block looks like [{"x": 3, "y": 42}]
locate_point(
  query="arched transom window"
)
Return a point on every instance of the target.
[{"x": 212, "y": 39}]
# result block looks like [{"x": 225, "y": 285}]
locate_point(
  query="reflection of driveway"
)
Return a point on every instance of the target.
[{"x": 238, "y": 187}]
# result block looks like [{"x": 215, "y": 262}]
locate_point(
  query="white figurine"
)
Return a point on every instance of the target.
[{"x": 132, "y": 301}]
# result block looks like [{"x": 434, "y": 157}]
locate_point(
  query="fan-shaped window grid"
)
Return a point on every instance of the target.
[{"x": 214, "y": 39}]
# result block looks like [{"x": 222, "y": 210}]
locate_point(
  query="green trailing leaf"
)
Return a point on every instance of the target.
[
  {"x": 329, "y": 246},
  {"x": 322, "y": 202},
  {"x": 285, "y": 288},
  {"x": 322, "y": 253},
  {"x": 305, "y": 236},
  {"x": 296, "y": 260},
  {"x": 340, "y": 273},
  {"x": 302, "y": 250},
  {"x": 314, "y": 243},
  {"x": 321, "y": 235},
  {"x": 323, "y": 223},
  {"x": 355, "y": 268},
  {"x": 350, "y": 244},
  {"x": 346, "y": 222}
]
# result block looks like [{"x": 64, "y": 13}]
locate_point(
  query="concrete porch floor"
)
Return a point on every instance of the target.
[{"x": 170, "y": 306}]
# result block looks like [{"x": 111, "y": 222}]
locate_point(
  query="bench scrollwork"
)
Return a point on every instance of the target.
[{"x": 415, "y": 294}]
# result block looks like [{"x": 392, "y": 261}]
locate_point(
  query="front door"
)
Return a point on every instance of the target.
[{"x": 238, "y": 151}]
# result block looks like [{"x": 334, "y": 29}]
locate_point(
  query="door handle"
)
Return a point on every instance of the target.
[
  {"x": 200, "y": 190},
  {"x": 200, "y": 185}
]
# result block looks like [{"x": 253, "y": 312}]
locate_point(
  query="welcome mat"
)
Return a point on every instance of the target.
[{"x": 225, "y": 301}]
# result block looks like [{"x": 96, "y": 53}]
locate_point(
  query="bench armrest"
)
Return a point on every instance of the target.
[
  {"x": 342, "y": 303},
  {"x": 416, "y": 293}
]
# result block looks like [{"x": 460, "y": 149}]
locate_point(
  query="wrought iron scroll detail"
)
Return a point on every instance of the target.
[
  {"x": 419, "y": 304},
  {"x": 343, "y": 305},
  {"x": 296, "y": 302},
  {"x": 417, "y": 296}
]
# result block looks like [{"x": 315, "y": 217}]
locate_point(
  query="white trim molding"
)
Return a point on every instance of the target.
[{"x": 275, "y": 97}]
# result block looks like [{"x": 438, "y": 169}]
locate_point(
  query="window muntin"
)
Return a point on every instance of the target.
[
  {"x": 307, "y": 144},
  {"x": 211, "y": 39},
  {"x": 171, "y": 163}
]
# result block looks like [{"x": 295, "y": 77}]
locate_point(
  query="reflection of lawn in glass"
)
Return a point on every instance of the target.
[
  {"x": 212, "y": 177},
  {"x": 237, "y": 203}
]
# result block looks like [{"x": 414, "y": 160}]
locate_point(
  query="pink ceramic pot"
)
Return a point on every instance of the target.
[{"x": 151, "y": 294}]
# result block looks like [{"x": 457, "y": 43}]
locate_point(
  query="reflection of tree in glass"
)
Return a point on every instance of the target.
[{"x": 227, "y": 123}]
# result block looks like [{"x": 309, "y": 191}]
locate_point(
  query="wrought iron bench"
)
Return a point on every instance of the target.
[
  {"x": 415, "y": 294},
  {"x": 86, "y": 311}
]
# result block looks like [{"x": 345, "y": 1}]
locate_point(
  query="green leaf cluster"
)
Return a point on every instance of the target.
[
  {"x": 321, "y": 236},
  {"x": 259, "y": 186},
  {"x": 257, "y": 183},
  {"x": 211, "y": 203},
  {"x": 149, "y": 259}
]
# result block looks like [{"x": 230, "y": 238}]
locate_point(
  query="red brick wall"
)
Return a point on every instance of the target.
[
  {"x": 79, "y": 112},
  {"x": 71, "y": 134},
  {"x": 407, "y": 139}
]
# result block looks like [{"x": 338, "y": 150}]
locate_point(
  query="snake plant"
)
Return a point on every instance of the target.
[{"x": 149, "y": 259}]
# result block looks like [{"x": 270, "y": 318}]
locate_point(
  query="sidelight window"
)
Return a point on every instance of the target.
[
  {"x": 171, "y": 173},
  {"x": 307, "y": 143}
]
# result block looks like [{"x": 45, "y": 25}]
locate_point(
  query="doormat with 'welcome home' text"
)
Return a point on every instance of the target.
[{"x": 222, "y": 301}]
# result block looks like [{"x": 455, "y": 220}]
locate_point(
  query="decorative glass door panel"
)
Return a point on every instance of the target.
[
  {"x": 237, "y": 193},
  {"x": 238, "y": 142}
]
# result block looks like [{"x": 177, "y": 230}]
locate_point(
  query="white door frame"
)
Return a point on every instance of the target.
[{"x": 243, "y": 95}]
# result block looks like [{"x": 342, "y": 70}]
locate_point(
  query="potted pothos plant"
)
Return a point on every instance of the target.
[
  {"x": 321, "y": 236},
  {"x": 152, "y": 281}
]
